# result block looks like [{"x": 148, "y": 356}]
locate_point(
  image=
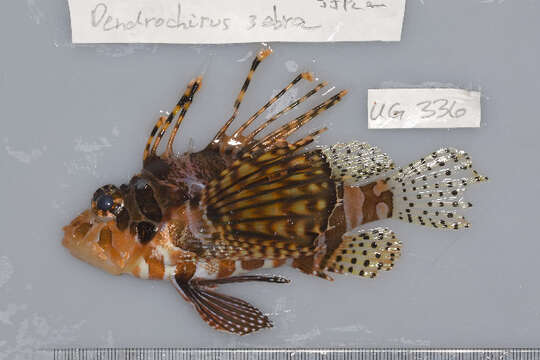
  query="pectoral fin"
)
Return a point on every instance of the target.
[{"x": 273, "y": 206}]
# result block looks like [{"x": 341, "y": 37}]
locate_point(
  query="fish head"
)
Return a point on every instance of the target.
[{"x": 100, "y": 235}]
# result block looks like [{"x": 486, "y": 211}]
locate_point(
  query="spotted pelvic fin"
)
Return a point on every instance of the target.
[
  {"x": 430, "y": 191},
  {"x": 224, "y": 312},
  {"x": 355, "y": 162},
  {"x": 365, "y": 252}
]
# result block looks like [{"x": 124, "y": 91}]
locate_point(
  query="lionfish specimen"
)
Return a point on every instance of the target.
[{"x": 248, "y": 202}]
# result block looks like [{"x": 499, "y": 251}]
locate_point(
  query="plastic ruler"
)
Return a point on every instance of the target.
[{"x": 288, "y": 354}]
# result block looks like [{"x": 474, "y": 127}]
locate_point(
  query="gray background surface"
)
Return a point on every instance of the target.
[{"x": 76, "y": 117}]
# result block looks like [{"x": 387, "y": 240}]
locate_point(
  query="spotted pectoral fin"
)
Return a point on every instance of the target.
[
  {"x": 365, "y": 252},
  {"x": 273, "y": 206},
  {"x": 220, "y": 311}
]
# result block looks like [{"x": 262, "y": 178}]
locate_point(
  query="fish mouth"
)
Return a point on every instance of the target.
[
  {"x": 77, "y": 229},
  {"x": 81, "y": 238}
]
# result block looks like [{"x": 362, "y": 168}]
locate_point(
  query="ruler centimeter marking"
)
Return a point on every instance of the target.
[{"x": 289, "y": 354}]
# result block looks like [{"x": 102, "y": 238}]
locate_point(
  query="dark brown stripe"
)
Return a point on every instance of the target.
[
  {"x": 145, "y": 232},
  {"x": 277, "y": 263},
  {"x": 318, "y": 179},
  {"x": 255, "y": 63},
  {"x": 253, "y": 237},
  {"x": 286, "y": 171},
  {"x": 213, "y": 214},
  {"x": 105, "y": 239},
  {"x": 226, "y": 268},
  {"x": 156, "y": 269},
  {"x": 185, "y": 271},
  {"x": 333, "y": 236},
  {"x": 122, "y": 219},
  {"x": 369, "y": 209},
  {"x": 245, "y": 86},
  {"x": 252, "y": 264},
  {"x": 145, "y": 199},
  {"x": 270, "y": 219}
]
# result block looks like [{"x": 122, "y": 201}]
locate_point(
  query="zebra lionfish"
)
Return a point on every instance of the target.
[{"x": 250, "y": 201}]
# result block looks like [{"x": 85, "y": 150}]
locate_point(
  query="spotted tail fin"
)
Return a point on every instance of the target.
[{"x": 430, "y": 191}]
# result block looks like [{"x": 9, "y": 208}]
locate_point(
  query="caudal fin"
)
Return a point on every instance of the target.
[{"x": 430, "y": 191}]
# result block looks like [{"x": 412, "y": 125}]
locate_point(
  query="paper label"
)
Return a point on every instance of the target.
[
  {"x": 234, "y": 21},
  {"x": 423, "y": 108}
]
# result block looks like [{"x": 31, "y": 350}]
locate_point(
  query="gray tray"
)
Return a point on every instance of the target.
[{"x": 77, "y": 117}]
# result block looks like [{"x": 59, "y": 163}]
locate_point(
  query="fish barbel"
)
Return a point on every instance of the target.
[{"x": 249, "y": 201}]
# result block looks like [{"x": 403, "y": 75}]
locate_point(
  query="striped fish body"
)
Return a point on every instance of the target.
[
  {"x": 300, "y": 211},
  {"x": 286, "y": 209}
]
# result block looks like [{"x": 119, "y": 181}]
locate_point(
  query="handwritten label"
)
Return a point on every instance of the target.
[
  {"x": 235, "y": 21},
  {"x": 423, "y": 108}
]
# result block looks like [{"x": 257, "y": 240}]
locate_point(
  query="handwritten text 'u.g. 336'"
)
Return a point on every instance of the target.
[{"x": 438, "y": 109}]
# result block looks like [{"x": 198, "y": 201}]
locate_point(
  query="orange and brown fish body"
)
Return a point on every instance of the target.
[
  {"x": 248, "y": 202},
  {"x": 162, "y": 259}
]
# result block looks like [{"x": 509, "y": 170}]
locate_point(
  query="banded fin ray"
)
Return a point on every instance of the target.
[
  {"x": 276, "y": 211},
  {"x": 242, "y": 141},
  {"x": 253, "y": 168},
  {"x": 222, "y": 312}
]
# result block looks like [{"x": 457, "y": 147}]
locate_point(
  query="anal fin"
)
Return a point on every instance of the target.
[{"x": 365, "y": 252}]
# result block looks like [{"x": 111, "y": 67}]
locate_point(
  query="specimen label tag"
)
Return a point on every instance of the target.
[
  {"x": 235, "y": 21},
  {"x": 423, "y": 108}
]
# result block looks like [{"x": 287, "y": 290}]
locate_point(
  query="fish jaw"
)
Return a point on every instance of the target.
[{"x": 84, "y": 239}]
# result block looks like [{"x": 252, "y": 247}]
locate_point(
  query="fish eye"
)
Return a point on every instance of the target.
[{"x": 107, "y": 201}]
